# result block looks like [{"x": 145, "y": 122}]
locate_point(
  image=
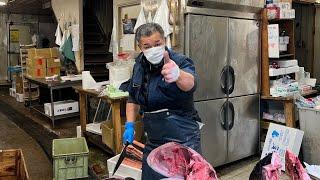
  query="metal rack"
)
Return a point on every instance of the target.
[{"x": 35, "y": 92}]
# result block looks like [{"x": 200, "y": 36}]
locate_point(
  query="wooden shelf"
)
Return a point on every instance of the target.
[
  {"x": 308, "y": 93},
  {"x": 284, "y": 56},
  {"x": 279, "y": 20},
  {"x": 264, "y": 123},
  {"x": 290, "y": 98}
]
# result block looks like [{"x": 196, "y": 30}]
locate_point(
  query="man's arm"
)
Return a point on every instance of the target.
[
  {"x": 132, "y": 111},
  {"x": 185, "y": 81}
]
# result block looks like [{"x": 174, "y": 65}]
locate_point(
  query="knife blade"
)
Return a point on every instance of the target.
[{"x": 121, "y": 158}]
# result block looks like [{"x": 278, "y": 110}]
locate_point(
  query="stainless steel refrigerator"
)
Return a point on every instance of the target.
[{"x": 225, "y": 48}]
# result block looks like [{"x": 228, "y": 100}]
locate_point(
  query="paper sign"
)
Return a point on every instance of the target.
[
  {"x": 14, "y": 35},
  {"x": 273, "y": 40},
  {"x": 279, "y": 139}
]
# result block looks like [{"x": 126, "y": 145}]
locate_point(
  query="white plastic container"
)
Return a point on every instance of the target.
[
  {"x": 124, "y": 170},
  {"x": 119, "y": 72},
  {"x": 20, "y": 97},
  {"x": 62, "y": 107},
  {"x": 311, "y": 82}
]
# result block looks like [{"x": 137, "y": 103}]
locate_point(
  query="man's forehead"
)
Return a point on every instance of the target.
[{"x": 155, "y": 37}]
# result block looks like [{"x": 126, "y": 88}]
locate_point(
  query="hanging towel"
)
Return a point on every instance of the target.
[
  {"x": 149, "y": 19},
  {"x": 75, "y": 37},
  {"x": 65, "y": 35},
  {"x": 58, "y": 36},
  {"x": 162, "y": 18},
  {"x": 141, "y": 20},
  {"x": 66, "y": 48}
]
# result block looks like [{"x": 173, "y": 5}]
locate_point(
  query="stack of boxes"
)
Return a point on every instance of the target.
[
  {"x": 281, "y": 9},
  {"x": 43, "y": 62}
]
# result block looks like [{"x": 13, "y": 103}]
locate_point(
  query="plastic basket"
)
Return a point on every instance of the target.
[{"x": 70, "y": 158}]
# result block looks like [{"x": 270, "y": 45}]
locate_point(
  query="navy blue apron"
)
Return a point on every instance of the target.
[{"x": 167, "y": 127}]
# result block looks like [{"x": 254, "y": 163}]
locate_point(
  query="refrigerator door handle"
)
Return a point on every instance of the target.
[
  {"x": 224, "y": 80},
  {"x": 223, "y": 116},
  {"x": 232, "y": 78},
  {"x": 231, "y": 109}
]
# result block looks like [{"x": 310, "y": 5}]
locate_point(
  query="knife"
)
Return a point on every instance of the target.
[{"x": 121, "y": 157}]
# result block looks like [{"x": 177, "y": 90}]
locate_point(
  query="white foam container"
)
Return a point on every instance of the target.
[
  {"x": 287, "y": 63},
  {"x": 124, "y": 170},
  {"x": 283, "y": 71},
  {"x": 20, "y": 97},
  {"x": 311, "y": 82}
]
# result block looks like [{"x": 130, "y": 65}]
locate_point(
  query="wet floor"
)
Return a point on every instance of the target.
[{"x": 12, "y": 137}]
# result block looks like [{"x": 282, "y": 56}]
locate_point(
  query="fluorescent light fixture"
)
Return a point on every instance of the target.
[{"x": 3, "y": 2}]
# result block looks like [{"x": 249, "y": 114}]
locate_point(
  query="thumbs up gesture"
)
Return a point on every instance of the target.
[{"x": 170, "y": 69}]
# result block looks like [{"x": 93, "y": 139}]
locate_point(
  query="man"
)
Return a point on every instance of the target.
[{"x": 161, "y": 88}]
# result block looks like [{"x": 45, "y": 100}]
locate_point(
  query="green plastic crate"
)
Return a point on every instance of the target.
[{"x": 70, "y": 158}]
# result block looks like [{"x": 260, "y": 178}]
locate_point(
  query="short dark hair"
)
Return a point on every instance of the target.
[{"x": 147, "y": 30}]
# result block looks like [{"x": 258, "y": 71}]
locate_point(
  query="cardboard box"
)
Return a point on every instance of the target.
[
  {"x": 62, "y": 107},
  {"x": 45, "y": 53},
  {"x": 53, "y": 62},
  {"x": 279, "y": 139},
  {"x": 19, "y": 84},
  {"x": 37, "y": 72},
  {"x": 53, "y": 71},
  {"x": 108, "y": 132},
  {"x": 36, "y": 62}
]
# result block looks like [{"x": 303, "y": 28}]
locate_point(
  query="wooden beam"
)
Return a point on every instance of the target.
[{"x": 265, "y": 83}]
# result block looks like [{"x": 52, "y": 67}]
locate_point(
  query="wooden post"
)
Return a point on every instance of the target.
[
  {"x": 116, "y": 119},
  {"x": 265, "y": 84},
  {"x": 83, "y": 111},
  {"x": 289, "y": 113}
]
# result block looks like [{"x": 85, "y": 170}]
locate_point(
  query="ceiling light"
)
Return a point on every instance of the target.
[{"x": 3, "y": 2}]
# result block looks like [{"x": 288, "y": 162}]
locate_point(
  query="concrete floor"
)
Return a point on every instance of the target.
[
  {"x": 12, "y": 137},
  {"x": 241, "y": 170},
  {"x": 38, "y": 163}
]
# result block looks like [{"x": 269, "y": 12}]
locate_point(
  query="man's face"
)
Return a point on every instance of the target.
[{"x": 154, "y": 40}]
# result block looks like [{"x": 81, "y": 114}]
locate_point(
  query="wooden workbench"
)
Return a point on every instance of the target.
[{"x": 115, "y": 106}]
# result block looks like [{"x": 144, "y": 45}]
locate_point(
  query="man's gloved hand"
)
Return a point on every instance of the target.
[
  {"x": 128, "y": 134},
  {"x": 170, "y": 70}
]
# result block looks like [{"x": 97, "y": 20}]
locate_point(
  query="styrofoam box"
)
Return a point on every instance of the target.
[
  {"x": 62, "y": 107},
  {"x": 283, "y": 71},
  {"x": 277, "y": 72},
  {"x": 12, "y": 92},
  {"x": 124, "y": 170},
  {"x": 287, "y": 14},
  {"x": 20, "y": 97},
  {"x": 283, "y": 5},
  {"x": 287, "y": 63}
]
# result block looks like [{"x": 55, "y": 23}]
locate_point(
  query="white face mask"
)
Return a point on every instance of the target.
[{"x": 154, "y": 55}]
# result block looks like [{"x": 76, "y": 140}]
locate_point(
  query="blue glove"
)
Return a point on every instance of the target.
[{"x": 128, "y": 134}]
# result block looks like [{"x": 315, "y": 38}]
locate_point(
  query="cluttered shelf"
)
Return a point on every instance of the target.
[{"x": 290, "y": 98}]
